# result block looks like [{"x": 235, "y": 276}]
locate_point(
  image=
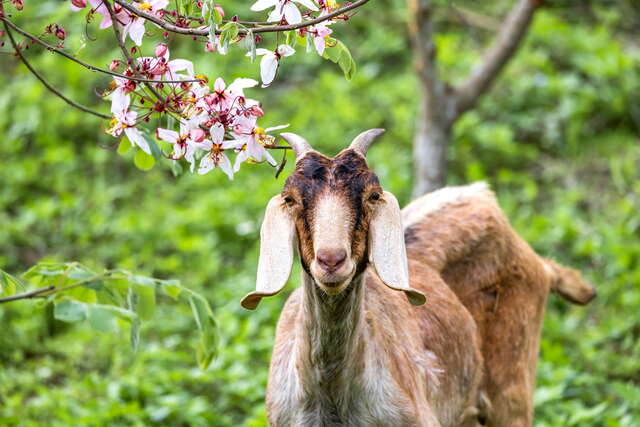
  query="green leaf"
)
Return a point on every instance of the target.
[
  {"x": 228, "y": 32},
  {"x": 145, "y": 290},
  {"x": 339, "y": 53},
  {"x": 172, "y": 288},
  {"x": 102, "y": 318},
  {"x": 217, "y": 16},
  {"x": 70, "y": 311},
  {"x": 124, "y": 146},
  {"x": 9, "y": 284},
  {"x": 156, "y": 152},
  {"x": 143, "y": 161},
  {"x": 249, "y": 43},
  {"x": 207, "y": 348},
  {"x": 80, "y": 273}
]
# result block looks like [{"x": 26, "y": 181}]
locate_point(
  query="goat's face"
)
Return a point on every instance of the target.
[
  {"x": 331, "y": 202},
  {"x": 340, "y": 218}
]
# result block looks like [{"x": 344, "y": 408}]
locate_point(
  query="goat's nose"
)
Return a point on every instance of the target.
[{"x": 331, "y": 259}]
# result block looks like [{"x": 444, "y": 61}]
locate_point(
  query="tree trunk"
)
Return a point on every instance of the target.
[
  {"x": 430, "y": 146},
  {"x": 440, "y": 104}
]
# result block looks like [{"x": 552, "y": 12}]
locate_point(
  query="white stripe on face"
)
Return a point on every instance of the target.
[{"x": 332, "y": 223}]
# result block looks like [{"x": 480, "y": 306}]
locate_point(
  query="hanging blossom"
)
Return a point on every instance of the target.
[
  {"x": 125, "y": 120},
  {"x": 284, "y": 9},
  {"x": 270, "y": 62},
  {"x": 135, "y": 27}
]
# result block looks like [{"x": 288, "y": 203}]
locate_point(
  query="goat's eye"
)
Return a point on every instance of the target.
[
  {"x": 289, "y": 200},
  {"x": 374, "y": 196}
]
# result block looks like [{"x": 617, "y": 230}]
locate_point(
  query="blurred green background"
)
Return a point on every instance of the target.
[{"x": 557, "y": 139}]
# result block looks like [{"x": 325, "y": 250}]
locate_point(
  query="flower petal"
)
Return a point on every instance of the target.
[
  {"x": 241, "y": 157},
  {"x": 307, "y": 3},
  {"x": 120, "y": 102},
  {"x": 180, "y": 65},
  {"x": 136, "y": 30},
  {"x": 291, "y": 13},
  {"x": 225, "y": 165},
  {"x": 217, "y": 133},
  {"x": 268, "y": 69},
  {"x": 206, "y": 164},
  {"x": 319, "y": 44},
  {"x": 239, "y": 85},
  {"x": 285, "y": 50},
  {"x": 136, "y": 138},
  {"x": 263, "y": 4},
  {"x": 167, "y": 135}
]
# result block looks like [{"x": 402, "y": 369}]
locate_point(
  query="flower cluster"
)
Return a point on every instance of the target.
[
  {"x": 210, "y": 123},
  {"x": 203, "y": 124}
]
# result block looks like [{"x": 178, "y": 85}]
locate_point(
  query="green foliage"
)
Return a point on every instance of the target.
[
  {"x": 557, "y": 138},
  {"x": 105, "y": 298}
]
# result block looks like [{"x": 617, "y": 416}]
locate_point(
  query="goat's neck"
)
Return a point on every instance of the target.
[{"x": 333, "y": 331}]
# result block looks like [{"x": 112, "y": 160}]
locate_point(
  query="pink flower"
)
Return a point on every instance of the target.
[
  {"x": 320, "y": 33},
  {"x": 160, "y": 68},
  {"x": 284, "y": 8},
  {"x": 186, "y": 141},
  {"x": 252, "y": 146},
  {"x": 271, "y": 61},
  {"x": 135, "y": 28},
  {"x": 125, "y": 120},
  {"x": 161, "y": 49},
  {"x": 215, "y": 147}
]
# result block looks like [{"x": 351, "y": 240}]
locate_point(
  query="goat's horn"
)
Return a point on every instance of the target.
[
  {"x": 362, "y": 142},
  {"x": 299, "y": 144}
]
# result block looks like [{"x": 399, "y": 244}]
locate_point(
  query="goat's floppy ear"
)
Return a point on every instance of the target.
[
  {"x": 276, "y": 253},
  {"x": 387, "y": 252}
]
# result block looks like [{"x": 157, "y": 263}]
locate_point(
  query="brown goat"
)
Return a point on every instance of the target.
[{"x": 350, "y": 350}]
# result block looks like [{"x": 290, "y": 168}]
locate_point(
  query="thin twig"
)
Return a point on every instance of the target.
[
  {"x": 45, "y": 83},
  {"x": 36, "y": 293},
  {"x": 258, "y": 29},
  {"x": 84, "y": 64},
  {"x": 507, "y": 41},
  {"x": 120, "y": 40}
]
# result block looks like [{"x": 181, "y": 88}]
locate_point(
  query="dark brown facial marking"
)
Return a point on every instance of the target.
[{"x": 347, "y": 175}]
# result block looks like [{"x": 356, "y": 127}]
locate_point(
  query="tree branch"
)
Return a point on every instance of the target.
[
  {"x": 36, "y": 293},
  {"x": 496, "y": 57},
  {"x": 45, "y": 83},
  {"x": 84, "y": 64},
  {"x": 257, "y": 29}
]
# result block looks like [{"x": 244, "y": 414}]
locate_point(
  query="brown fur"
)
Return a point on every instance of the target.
[{"x": 502, "y": 282}]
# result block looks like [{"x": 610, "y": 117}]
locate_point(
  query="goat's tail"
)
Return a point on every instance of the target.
[{"x": 568, "y": 283}]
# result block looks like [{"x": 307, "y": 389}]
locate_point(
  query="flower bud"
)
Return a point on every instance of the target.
[
  {"x": 18, "y": 4},
  {"x": 219, "y": 9},
  {"x": 60, "y": 33},
  {"x": 197, "y": 135},
  {"x": 161, "y": 49},
  {"x": 210, "y": 47},
  {"x": 80, "y": 4},
  {"x": 114, "y": 65}
]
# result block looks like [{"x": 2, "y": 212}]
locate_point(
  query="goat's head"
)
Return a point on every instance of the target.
[{"x": 340, "y": 218}]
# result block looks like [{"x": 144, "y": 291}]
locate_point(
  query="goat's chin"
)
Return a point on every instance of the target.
[{"x": 334, "y": 283}]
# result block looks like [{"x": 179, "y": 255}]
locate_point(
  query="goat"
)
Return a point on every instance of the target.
[{"x": 350, "y": 350}]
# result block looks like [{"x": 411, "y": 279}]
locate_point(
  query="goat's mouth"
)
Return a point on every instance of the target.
[{"x": 335, "y": 282}]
